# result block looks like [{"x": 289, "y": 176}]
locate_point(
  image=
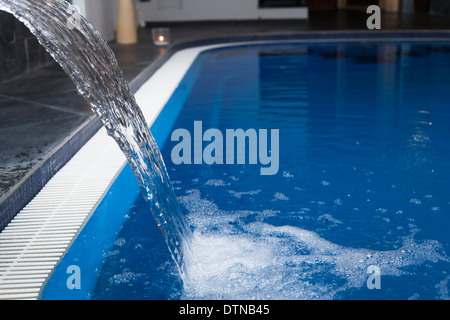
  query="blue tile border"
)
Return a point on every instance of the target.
[{"x": 23, "y": 192}]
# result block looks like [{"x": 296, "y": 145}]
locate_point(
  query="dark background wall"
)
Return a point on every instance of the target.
[
  {"x": 20, "y": 52},
  {"x": 440, "y": 6}
]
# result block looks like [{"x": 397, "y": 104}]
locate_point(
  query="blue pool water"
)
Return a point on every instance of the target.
[{"x": 362, "y": 181}]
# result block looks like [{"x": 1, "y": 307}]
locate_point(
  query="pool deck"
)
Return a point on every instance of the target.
[{"x": 51, "y": 112}]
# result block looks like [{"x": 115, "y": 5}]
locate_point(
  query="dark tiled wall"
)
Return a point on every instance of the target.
[
  {"x": 20, "y": 51},
  {"x": 440, "y": 7}
]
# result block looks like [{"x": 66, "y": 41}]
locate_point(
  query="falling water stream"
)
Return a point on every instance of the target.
[{"x": 90, "y": 63}]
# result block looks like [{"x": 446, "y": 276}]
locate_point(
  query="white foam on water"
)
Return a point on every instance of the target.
[
  {"x": 216, "y": 182},
  {"x": 240, "y": 194},
  {"x": 124, "y": 278},
  {"x": 231, "y": 259},
  {"x": 279, "y": 196}
]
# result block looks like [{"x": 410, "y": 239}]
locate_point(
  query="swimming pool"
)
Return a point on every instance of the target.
[{"x": 362, "y": 182}]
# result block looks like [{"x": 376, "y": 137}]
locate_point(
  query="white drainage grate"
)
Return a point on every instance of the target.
[{"x": 37, "y": 238}]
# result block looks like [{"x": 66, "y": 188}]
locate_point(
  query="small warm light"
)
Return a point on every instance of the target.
[{"x": 161, "y": 36}]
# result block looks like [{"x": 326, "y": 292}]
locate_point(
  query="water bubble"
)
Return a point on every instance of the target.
[
  {"x": 287, "y": 174},
  {"x": 120, "y": 242},
  {"x": 216, "y": 183},
  {"x": 280, "y": 196},
  {"x": 240, "y": 194}
]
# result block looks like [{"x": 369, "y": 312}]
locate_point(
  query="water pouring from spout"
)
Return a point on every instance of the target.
[{"x": 89, "y": 61}]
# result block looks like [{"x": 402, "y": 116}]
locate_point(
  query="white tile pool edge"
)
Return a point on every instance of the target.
[{"x": 34, "y": 242}]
